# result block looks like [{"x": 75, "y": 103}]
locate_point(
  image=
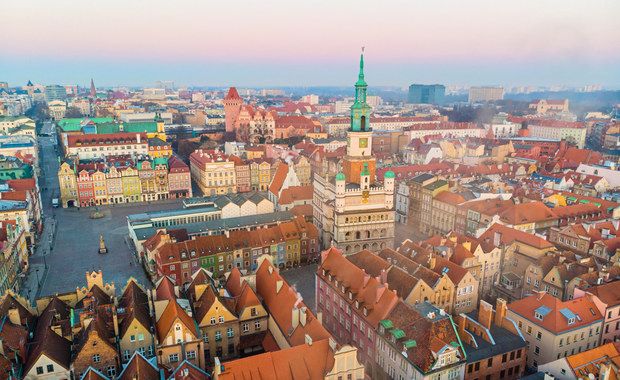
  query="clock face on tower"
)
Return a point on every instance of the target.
[{"x": 363, "y": 143}]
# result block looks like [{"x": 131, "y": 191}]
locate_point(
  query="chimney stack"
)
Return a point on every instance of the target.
[
  {"x": 294, "y": 318},
  {"x": 308, "y": 340},
  {"x": 485, "y": 314},
  {"x": 500, "y": 311},
  {"x": 303, "y": 316}
]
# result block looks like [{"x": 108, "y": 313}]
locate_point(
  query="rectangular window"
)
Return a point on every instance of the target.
[
  {"x": 39, "y": 370},
  {"x": 191, "y": 355},
  {"x": 50, "y": 368},
  {"x": 246, "y": 327},
  {"x": 230, "y": 333},
  {"x": 173, "y": 358}
]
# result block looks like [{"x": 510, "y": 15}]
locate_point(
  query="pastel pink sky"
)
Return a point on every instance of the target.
[{"x": 312, "y": 32}]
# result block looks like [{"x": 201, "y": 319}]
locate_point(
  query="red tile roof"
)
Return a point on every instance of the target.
[
  {"x": 311, "y": 362},
  {"x": 531, "y": 212},
  {"x": 449, "y": 198},
  {"x": 280, "y": 303},
  {"x": 555, "y": 321},
  {"x": 172, "y": 313},
  {"x": 278, "y": 179},
  {"x": 509, "y": 235}
]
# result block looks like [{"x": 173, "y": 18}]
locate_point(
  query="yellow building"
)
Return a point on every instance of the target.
[
  {"x": 100, "y": 188},
  {"x": 159, "y": 148},
  {"x": 68, "y": 185},
  {"x": 213, "y": 172}
]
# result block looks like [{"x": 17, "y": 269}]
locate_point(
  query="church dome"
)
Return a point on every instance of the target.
[
  {"x": 340, "y": 177},
  {"x": 389, "y": 174}
]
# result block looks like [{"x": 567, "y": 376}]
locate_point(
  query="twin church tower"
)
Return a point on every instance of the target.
[{"x": 352, "y": 211}]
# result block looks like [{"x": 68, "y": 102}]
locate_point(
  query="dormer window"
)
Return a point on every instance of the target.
[
  {"x": 350, "y": 295},
  {"x": 357, "y": 304},
  {"x": 330, "y": 278},
  {"x": 365, "y": 312},
  {"x": 571, "y": 321},
  {"x": 336, "y": 283},
  {"x": 323, "y": 272},
  {"x": 342, "y": 288}
]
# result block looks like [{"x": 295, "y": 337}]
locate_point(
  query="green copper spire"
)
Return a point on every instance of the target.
[{"x": 360, "y": 111}]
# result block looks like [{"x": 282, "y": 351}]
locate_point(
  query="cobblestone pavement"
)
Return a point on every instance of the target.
[
  {"x": 403, "y": 232},
  {"x": 68, "y": 246}
]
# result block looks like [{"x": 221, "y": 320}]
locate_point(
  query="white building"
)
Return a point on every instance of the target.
[
  {"x": 402, "y": 202},
  {"x": 144, "y": 117},
  {"x": 485, "y": 94},
  {"x": 574, "y": 133},
  {"x": 90, "y": 146},
  {"x": 505, "y": 130}
]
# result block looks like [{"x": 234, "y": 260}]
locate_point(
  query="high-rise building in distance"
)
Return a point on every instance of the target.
[
  {"x": 55, "y": 92},
  {"x": 485, "y": 94},
  {"x": 427, "y": 94}
]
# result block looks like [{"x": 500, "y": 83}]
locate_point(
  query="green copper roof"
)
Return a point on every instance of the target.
[
  {"x": 70, "y": 125},
  {"x": 360, "y": 80},
  {"x": 398, "y": 333},
  {"x": 340, "y": 177},
  {"x": 148, "y": 127},
  {"x": 386, "y": 323},
  {"x": 389, "y": 174},
  {"x": 160, "y": 161},
  {"x": 365, "y": 171},
  {"x": 410, "y": 343}
]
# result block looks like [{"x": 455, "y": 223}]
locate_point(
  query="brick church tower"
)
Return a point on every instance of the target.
[
  {"x": 232, "y": 105},
  {"x": 359, "y": 141}
]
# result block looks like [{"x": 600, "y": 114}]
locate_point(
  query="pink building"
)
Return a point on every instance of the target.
[
  {"x": 85, "y": 189},
  {"x": 607, "y": 300},
  {"x": 242, "y": 172},
  {"x": 179, "y": 178},
  {"x": 352, "y": 301}
]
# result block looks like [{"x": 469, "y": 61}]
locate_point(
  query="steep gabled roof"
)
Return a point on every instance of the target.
[
  {"x": 172, "y": 313},
  {"x": 139, "y": 368}
]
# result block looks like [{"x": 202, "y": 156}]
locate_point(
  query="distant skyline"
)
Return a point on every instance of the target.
[{"x": 281, "y": 43}]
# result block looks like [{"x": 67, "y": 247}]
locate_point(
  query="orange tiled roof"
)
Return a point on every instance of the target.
[
  {"x": 589, "y": 362},
  {"x": 304, "y": 361},
  {"x": 554, "y": 321},
  {"x": 509, "y": 235},
  {"x": 377, "y": 298},
  {"x": 280, "y": 303},
  {"x": 449, "y": 198},
  {"x": 278, "y": 179},
  {"x": 172, "y": 313}
]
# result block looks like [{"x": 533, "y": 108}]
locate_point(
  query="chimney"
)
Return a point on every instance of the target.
[
  {"x": 497, "y": 238},
  {"x": 432, "y": 261},
  {"x": 217, "y": 370},
  {"x": 319, "y": 317},
  {"x": 303, "y": 316},
  {"x": 332, "y": 344},
  {"x": 485, "y": 314},
  {"x": 279, "y": 284},
  {"x": 308, "y": 340},
  {"x": 138, "y": 138},
  {"x": 500, "y": 311},
  {"x": 294, "y": 318},
  {"x": 115, "y": 322},
  {"x": 383, "y": 276}
]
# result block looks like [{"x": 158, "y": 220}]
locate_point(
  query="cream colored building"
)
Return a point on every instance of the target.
[
  {"x": 554, "y": 329},
  {"x": 213, "y": 172},
  {"x": 57, "y": 109}
]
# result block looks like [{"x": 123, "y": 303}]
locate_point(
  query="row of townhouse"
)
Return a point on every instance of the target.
[
  {"x": 217, "y": 173},
  {"x": 247, "y": 323},
  {"x": 397, "y": 314},
  {"x": 147, "y": 180},
  {"x": 288, "y": 244}
]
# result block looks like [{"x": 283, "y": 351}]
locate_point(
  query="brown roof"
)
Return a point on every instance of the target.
[
  {"x": 165, "y": 288},
  {"x": 136, "y": 304},
  {"x": 531, "y": 212},
  {"x": 608, "y": 293},
  {"x": 430, "y": 336},
  {"x": 139, "y": 368},
  {"x": 369, "y": 262},
  {"x": 8, "y": 302}
]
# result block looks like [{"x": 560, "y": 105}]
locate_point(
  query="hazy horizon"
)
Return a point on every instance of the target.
[{"x": 276, "y": 43}]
